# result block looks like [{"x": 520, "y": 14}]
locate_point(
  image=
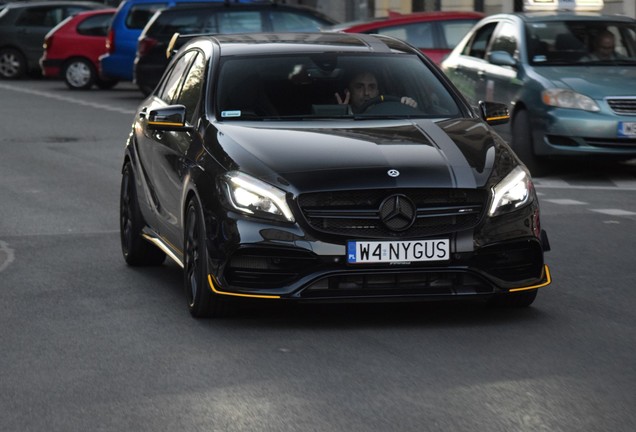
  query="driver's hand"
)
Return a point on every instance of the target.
[
  {"x": 409, "y": 101},
  {"x": 344, "y": 101}
]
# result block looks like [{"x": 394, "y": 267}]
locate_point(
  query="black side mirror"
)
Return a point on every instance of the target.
[
  {"x": 494, "y": 113},
  {"x": 172, "y": 118}
]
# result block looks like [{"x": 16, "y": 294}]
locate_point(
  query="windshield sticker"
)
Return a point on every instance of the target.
[{"x": 234, "y": 113}]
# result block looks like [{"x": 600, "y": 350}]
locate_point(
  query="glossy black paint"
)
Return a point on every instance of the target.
[{"x": 252, "y": 256}]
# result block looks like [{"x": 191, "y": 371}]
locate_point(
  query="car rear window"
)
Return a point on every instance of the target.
[{"x": 139, "y": 15}]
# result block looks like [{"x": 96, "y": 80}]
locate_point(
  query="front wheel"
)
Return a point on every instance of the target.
[
  {"x": 522, "y": 144},
  {"x": 202, "y": 302}
]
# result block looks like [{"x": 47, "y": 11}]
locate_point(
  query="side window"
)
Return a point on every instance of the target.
[
  {"x": 172, "y": 84},
  {"x": 454, "y": 31},
  {"x": 240, "y": 22},
  {"x": 45, "y": 16},
  {"x": 506, "y": 39},
  {"x": 139, "y": 15},
  {"x": 192, "y": 86},
  {"x": 420, "y": 35},
  {"x": 95, "y": 26},
  {"x": 477, "y": 47},
  {"x": 284, "y": 21}
]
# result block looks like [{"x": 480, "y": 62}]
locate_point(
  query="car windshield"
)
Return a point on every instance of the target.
[
  {"x": 330, "y": 85},
  {"x": 581, "y": 43}
]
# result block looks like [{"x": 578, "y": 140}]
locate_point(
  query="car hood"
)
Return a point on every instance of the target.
[
  {"x": 452, "y": 153},
  {"x": 594, "y": 81}
]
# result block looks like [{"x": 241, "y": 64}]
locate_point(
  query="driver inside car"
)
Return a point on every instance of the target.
[{"x": 362, "y": 89}]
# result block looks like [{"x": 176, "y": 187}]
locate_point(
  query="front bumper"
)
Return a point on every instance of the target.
[
  {"x": 576, "y": 132},
  {"x": 287, "y": 263}
]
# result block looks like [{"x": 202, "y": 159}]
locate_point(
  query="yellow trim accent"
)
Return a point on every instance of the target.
[
  {"x": 505, "y": 117},
  {"x": 546, "y": 283},
  {"x": 159, "y": 242},
  {"x": 237, "y": 294},
  {"x": 159, "y": 123}
]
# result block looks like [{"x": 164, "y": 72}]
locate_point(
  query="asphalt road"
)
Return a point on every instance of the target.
[{"x": 89, "y": 344}]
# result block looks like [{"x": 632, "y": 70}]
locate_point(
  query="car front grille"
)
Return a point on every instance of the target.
[
  {"x": 623, "y": 105},
  {"x": 356, "y": 214}
]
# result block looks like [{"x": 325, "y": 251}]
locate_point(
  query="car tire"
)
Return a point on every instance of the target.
[
  {"x": 517, "y": 299},
  {"x": 522, "y": 144},
  {"x": 136, "y": 250},
  {"x": 202, "y": 302},
  {"x": 106, "y": 84},
  {"x": 79, "y": 74},
  {"x": 12, "y": 64}
]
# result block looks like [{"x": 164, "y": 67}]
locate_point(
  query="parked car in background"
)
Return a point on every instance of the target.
[
  {"x": 72, "y": 49},
  {"x": 23, "y": 26},
  {"x": 121, "y": 43},
  {"x": 151, "y": 60},
  {"x": 566, "y": 101},
  {"x": 434, "y": 33},
  {"x": 244, "y": 168}
]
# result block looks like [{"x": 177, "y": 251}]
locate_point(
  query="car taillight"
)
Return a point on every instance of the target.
[
  {"x": 110, "y": 42},
  {"x": 48, "y": 42},
  {"x": 145, "y": 45}
]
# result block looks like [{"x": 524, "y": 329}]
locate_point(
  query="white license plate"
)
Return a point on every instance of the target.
[
  {"x": 397, "y": 251},
  {"x": 627, "y": 129}
]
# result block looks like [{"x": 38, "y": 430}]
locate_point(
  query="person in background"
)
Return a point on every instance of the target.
[{"x": 604, "y": 47}]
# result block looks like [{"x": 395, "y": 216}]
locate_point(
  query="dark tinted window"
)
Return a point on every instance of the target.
[
  {"x": 96, "y": 25},
  {"x": 44, "y": 16},
  {"x": 239, "y": 21},
  {"x": 172, "y": 84},
  {"x": 477, "y": 47},
  {"x": 191, "y": 91},
  {"x": 139, "y": 15},
  {"x": 304, "y": 86}
]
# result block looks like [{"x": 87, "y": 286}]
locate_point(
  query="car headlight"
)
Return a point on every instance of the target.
[
  {"x": 564, "y": 98},
  {"x": 512, "y": 193},
  {"x": 252, "y": 196}
]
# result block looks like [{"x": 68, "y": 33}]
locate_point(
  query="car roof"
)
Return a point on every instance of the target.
[
  {"x": 306, "y": 42},
  {"x": 255, "y": 5},
  {"x": 561, "y": 16},
  {"x": 21, "y": 4},
  {"x": 394, "y": 19}
]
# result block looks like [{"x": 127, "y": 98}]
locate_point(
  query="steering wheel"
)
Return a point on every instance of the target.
[{"x": 378, "y": 100}]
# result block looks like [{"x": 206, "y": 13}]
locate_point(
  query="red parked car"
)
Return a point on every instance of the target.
[
  {"x": 434, "y": 33},
  {"x": 72, "y": 49}
]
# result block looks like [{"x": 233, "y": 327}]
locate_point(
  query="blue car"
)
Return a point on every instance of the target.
[{"x": 129, "y": 20}]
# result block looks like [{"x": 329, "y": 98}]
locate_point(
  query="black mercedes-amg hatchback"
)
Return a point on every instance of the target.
[{"x": 326, "y": 167}]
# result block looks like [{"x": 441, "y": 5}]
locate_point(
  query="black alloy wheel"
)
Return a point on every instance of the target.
[
  {"x": 202, "y": 302},
  {"x": 137, "y": 251}
]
